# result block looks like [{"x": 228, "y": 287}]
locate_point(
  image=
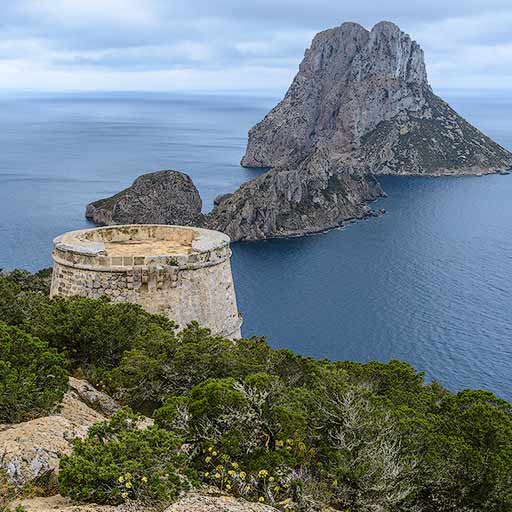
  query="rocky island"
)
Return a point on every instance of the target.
[
  {"x": 364, "y": 97},
  {"x": 360, "y": 106},
  {"x": 164, "y": 197}
]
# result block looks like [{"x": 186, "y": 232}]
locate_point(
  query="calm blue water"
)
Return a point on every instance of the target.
[{"x": 430, "y": 282}]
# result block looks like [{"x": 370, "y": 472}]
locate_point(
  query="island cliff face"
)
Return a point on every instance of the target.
[
  {"x": 365, "y": 97},
  {"x": 360, "y": 106},
  {"x": 310, "y": 198}
]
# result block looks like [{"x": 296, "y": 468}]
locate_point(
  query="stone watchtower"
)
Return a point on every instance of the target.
[{"x": 181, "y": 272}]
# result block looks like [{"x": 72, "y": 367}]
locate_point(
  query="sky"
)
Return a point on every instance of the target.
[{"x": 233, "y": 45}]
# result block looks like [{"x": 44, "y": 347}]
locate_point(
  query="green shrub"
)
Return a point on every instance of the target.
[
  {"x": 163, "y": 362},
  {"x": 38, "y": 282},
  {"x": 94, "y": 334},
  {"x": 33, "y": 377},
  {"x": 120, "y": 461}
]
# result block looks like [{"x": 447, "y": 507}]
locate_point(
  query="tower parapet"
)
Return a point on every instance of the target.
[{"x": 181, "y": 272}]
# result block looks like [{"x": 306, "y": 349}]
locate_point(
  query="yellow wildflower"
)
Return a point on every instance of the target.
[
  {"x": 214, "y": 453},
  {"x": 261, "y": 499},
  {"x": 219, "y": 467},
  {"x": 228, "y": 487},
  {"x": 263, "y": 473},
  {"x": 277, "y": 488},
  {"x": 231, "y": 473},
  {"x": 208, "y": 459},
  {"x": 243, "y": 474},
  {"x": 210, "y": 449},
  {"x": 280, "y": 443},
  {"x": 124, "y": 495},
  {"x": 271, "y": 479},
  {"x": 121, "y": 479},
  {"x": 289, "y": 441},
  {"x": 207, "y": 474},
  {"x": 217, "y": 475},
  {"x": 128, "y": 485},
  {"x": 144, "y": 479},
  {"x": 234, "y": 465},
  {"x": 128, "y": 476}
]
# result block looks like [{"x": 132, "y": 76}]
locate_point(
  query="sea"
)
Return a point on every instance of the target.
[{"x": 429, "y": 282}]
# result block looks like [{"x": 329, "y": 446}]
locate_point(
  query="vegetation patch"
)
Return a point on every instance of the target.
[
  {"x": 268, "y": 425},
  {"x": 120, "y": 460},
  {"x": 33, "y": 377}
]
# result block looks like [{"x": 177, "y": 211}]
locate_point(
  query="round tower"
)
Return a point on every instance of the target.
[{"x": 181, "y": 272}]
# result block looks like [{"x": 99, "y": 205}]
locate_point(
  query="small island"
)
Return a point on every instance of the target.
[{"x": 359, "y": 107}]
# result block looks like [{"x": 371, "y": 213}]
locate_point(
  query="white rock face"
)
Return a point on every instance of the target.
[{"x": 30, "y": 449}]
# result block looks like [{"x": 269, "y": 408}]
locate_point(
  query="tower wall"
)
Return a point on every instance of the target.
[{"x": 195, "y": 283}]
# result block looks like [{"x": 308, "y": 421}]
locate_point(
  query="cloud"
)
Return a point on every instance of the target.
[{"x": 228, "y": 44}]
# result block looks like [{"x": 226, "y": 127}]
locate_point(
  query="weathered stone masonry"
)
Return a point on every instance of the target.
[{"x": 182, "y": 272}]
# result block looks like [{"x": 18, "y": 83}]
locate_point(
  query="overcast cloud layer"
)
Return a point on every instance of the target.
[{"x": 211, "y": 45}]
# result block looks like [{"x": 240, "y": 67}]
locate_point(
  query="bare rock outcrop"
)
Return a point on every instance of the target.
[
  {"x": 32, "y": 448},
  {"x": 192, "y": 502},
  {"x": 365, "y": 96},
  {"x": 163, "y": 197},
  {"x": 202, "y": 502},
  {"x": 314, "y": 196}
]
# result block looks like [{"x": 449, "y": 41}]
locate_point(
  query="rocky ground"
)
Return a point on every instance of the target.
[
  {"x": 33, "y": 448},
  {"x": 192, "y": 502}
]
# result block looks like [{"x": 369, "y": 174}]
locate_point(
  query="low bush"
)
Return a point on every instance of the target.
[
  {"x": 352, "y": 443},
  {"x": 120, "y": 461},
  {"x": 94, "y": 334},
  {"x": 163, "y": 362},
  {"x": 33, "y": 377}
]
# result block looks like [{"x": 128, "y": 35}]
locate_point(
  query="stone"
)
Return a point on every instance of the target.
[
  {"x": 200, "y": 502},
  {"x": 186, "y": 276},
  {"x": 191, "y": 502},
  {"x": 32, "y": 448},
  {"x": 163, "y": 197},
  {"x": 94, "y": 399},
  {"x": 220, "y": 198}
]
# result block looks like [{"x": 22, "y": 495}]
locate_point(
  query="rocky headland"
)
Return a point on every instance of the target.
[{"x": 360, "y": 105}]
